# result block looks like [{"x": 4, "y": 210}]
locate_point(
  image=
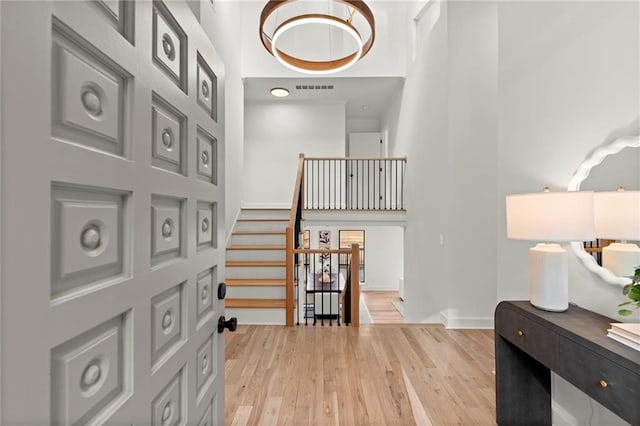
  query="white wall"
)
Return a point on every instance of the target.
[
  {"x": 417, "y": 125},
  {"x": 384, "y": 254},
  {"x": 220, "y": 24},
  {"x": 446, "y": 123},
  {"x": 523, "y": 108},
  {"x": 384, "y": 247},
  {"x": 363, "y": 124},
  {"x": 275, "y": 134},
  {"x": 472, "y": 174}
]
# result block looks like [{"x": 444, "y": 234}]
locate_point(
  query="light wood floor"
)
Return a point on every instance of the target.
[
  {"x": 380, "y": 306},
  {"x": 372, "y": 375}
]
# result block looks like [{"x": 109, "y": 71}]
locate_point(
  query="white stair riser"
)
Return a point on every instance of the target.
[
  {"x": 253, "y": 240},
  {"x": 256, "y": 255},
  {"x": 261, "y": 226},
  {"x": 256, "y": 272},
  {"x": 261, "y": 316},
  {"x": 256, "y": 293},
  {"x": 265, "y": 214}
]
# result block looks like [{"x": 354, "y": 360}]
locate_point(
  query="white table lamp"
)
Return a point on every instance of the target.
[
  {"x": 617, "y": 217},
  {"x": 551, "y": 217}
]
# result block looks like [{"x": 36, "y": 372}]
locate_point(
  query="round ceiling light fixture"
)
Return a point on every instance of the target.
[
  {"x": 317, "y": 37},
  {"x": 279, "y": 92}
]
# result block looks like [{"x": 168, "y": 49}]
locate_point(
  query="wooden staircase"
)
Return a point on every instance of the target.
[{"x": 255, "y": 267}]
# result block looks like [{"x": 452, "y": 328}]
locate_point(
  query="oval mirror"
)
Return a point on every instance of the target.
[{"x": 606, "y": 183}]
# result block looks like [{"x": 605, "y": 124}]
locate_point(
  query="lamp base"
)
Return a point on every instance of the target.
[
  {"x": 549, "y": 277},
  {"x": 621, "y": 258}
]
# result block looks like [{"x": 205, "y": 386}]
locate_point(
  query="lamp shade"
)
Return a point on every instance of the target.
[
  {"x": 617, "y": 215},
  {"x": 551, "y": 216}
]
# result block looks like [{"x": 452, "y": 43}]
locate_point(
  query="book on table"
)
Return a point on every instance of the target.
[{"x": 630, "y": 331}]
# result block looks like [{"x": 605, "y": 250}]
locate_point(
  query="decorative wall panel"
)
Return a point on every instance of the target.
[
  {"x": 89, "y": 94},
  {"x": 167, "y": 409},
  {"x": 88, "y": 233},
  {"x": 207, "y": 418},
  {"x": 167, "y": 323},
  {"x": 207, "y": 88},
  {"x": 166, "y": 229},
  {"x": 90, "y": 373},
  {"x": 168, "y": 136},
  {"x": 205, "y": 366},
  {"x": 119, "y": 14},
  {"x": 169, "y": 45},
  {"x": 207, "y": 151},
  {"x": 206, "y": 283},
  {"x": 206, "y": 223}
]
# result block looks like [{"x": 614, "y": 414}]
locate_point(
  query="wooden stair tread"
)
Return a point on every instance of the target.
[
  {"x": 255, "y": 282},
  {"x": 257, "y": 247},
  {"x": 256, "y": 263},
  {"x": 258, "y": 233},
  {"x": 255, "y": 303}
]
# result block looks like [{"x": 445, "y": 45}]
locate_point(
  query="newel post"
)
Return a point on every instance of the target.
[
  {"x": 355, "y": 285},
  {"x": 289, "y": 280}
]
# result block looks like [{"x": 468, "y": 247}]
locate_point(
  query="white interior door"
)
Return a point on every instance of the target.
[
  {"x": 365, "y": 179},
  {"x": 111, "y": 197}
]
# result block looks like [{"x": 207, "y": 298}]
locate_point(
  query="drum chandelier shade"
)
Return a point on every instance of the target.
[{"x": 317, "y": 37}]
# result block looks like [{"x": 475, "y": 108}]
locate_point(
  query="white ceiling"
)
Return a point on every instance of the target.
[{"x": 365, "y": 97}]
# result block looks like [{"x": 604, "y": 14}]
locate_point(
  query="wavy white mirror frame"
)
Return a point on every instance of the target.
[{"x": 578, "y": 177}]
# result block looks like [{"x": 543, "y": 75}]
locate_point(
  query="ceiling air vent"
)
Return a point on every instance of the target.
[{"x": 314, "y": 86}]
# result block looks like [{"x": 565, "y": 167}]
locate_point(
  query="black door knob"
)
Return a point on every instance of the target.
[
  {"x": 231, "y": 324},
  {"x": 222, "y": 291}
]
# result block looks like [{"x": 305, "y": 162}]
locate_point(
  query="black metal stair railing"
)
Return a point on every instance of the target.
[
  {"x": 325, "y": 288},
  {"x": 354, "y": 183}
]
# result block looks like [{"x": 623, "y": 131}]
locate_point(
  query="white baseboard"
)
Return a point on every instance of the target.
[
  {"x": 368, "y": 287},
  {"x": 466, "y": 322}
]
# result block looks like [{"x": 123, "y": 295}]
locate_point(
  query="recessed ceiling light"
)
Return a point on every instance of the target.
[
  {"x": 279, "y": 92},
  {"x": 364, "y": 107}
]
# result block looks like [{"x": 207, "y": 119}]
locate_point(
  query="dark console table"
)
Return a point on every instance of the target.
[{"x": 531, "y": 343}]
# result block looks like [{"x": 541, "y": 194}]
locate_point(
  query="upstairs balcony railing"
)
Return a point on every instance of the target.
[{"x": 354, "y": 183}]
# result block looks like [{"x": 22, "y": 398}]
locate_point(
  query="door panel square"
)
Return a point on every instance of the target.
[
  {"x": 207, "y": 157},
  {"x": 90, "y": 97},
  {"x": 205, "y": 364},
  {"x": 168, "y": 136},
  {"x": 167, "y": 407},
  {"x": 166, "y": 321},
  {"x": 205, "y": 225},
  {"x": 89, "y": 94},
  {"x": 89, "y": 373},
  {"x": 88, "y": 233},
  {"x": 207, "y": 88},
  {"x": 168, "y": 44},
  {"x": 90, "y": 236},
  {"x": 204, "y": 157},
  {"x": 205, "y": 297}
]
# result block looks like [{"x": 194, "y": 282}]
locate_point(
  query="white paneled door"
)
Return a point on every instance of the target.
[{"x": 111, "y": 199}]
